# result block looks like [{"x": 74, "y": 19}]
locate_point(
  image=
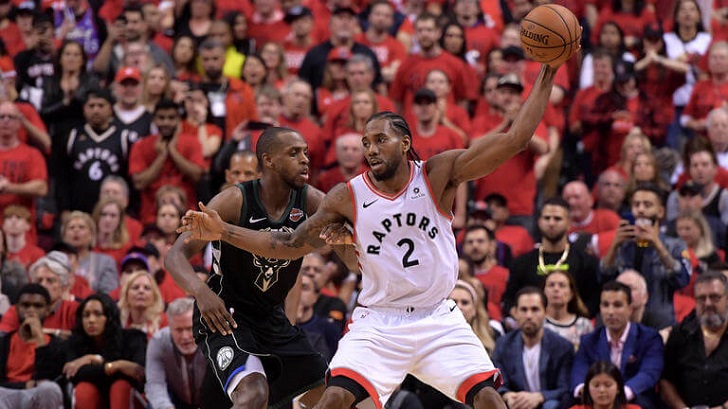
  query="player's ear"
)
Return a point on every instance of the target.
[{"x": 406, "y": 144}]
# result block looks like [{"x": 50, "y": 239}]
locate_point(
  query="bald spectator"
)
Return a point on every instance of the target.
[
  {"x": 717, "y": 127},
  {"x": 584, "y": 218},
  {"x": 611, "y": 191},
  {"x": 349, "y": 162},
  {"x": 24, "y": 176},
  {"x": 636, "y": 282},
  {"x": 708, "y": 93},
  {"x": 243, "y": 167}
]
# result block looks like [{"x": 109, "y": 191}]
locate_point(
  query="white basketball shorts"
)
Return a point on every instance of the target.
[{"x": 435, "y": 344}]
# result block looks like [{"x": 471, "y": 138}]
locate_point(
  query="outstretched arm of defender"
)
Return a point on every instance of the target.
[
  {"x": 490, "y": 151},
  {"x": 207, "y": 225}
]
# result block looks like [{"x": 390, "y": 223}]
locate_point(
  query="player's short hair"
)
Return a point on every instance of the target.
[
  {"x": 400, "y": 126},
  {"x": 269, "y": 141}
]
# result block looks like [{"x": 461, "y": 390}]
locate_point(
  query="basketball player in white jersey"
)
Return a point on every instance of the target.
[{"x": 401, "y": 211}]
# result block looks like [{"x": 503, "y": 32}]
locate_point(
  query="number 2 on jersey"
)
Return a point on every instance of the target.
[{"x": 406, "y": 261}]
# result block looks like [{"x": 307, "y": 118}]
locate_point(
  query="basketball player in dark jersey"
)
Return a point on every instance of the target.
[{"x": 262, "y": 358}]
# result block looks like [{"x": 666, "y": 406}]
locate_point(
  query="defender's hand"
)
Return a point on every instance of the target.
[
  {"x": 205, "y": 225},
  {"x": 337, "y": 233}
]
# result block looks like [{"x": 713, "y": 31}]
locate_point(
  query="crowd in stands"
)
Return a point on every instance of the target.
[{"x": 592, "y": 263}]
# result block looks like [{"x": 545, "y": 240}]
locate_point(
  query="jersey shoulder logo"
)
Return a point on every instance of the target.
[{"x": 417, "y": 193}]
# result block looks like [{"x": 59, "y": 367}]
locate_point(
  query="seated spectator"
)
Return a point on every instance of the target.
[
  {"x": 29, "y": 358},
  {"x": 255, "y": 73},
  {"x": 605, "y": 388},
  {"x": 554, "y": 253},
  {"x": 53, "y": 272},
  {"x": 155, "y": 87},
  {"x": 167, "y": 158},
  {"x": 196, "y": 107},
  {"x": 103, "y": 361},
  {"x": 693, "y": 230},
  {"x": 362, "y": 105},
  {"x": 327, "y": 305},
  {"x": 515, "y": 236},
  {"x": 115, "y": 187},
  {"x": 584, "y": 218},
  {"x": 169, "y": 218},
  {"x": 690, "y": 200},
  {"x": 220, "y": 30},
  {"x": 628, "y": 17},
  {"x": 708, "y": 93},
  {"x": 175, "y": 366},
  {"x": 534, "y": 361},
  {"x": 642, "y": 247},
  {"x": 645, "y": 170},
  {"x": 695, "y": 353},
  {"x": 471, "y": 303},
  {"x": 451, "y": 115},
  {"x": 243, "y": 166},
  {"x": 428, "y": 134},
  {"x": 184, "y": 56},
  {"x": 611, "y": 191},
  {"x": 133, "y": 262},
  {"x": 99, "y": 270},
  {"x": 349, "y": 162},
  {"x": 634, "y": 144},
  {"x": 112, "y": 238},
  {"x": 636, "y": 282},
  {"x": 140, "y": 304},
  {"x": 566, "y": 313},
  {"x": 610, "y": 39},
  {"x": 634, "y": 348},
  {"x": 16, "y": 226},
  {"x": 479, "y": 246},
  {"x": 80, "y": 288},
  {"x": 274, "y": 58},
  {"x": 717, "y": 128},
  {"x": 323, "y": 333}
]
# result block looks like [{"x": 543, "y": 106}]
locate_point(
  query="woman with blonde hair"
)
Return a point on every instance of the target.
[
  {"x": 693, "y": 229},
  {"x": 141, "y": 305},
  {"x": 469, "y": 296},
  {"x": 645, "y": 170},
  {"x": 79, "y": 231},
  {"x": 112, "y": 237},
  {"x": 634, "y": 143}
]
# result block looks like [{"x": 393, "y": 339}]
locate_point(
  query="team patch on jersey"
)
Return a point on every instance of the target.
[
  {"x": 269, "y": 267},
  {"x": 295, "y": 215},
  {"x": 224, "y": 357}
]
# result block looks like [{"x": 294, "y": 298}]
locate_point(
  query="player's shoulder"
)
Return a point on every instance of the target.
[{"x": 228, "y": 202}]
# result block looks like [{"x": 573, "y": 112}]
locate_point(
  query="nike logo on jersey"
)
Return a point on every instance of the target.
[
  {"x": 253, "y": 221},
  {"x": 370, "y": 203}
]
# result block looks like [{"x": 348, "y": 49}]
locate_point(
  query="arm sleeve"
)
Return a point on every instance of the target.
[
  {"x": 565, "y": 361},
  {"x": 47, "y": 364},
  {"x": 581, "y": 364}
]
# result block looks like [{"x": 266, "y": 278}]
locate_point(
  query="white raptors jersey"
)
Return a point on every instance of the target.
[{"x": 405, "y": 244}]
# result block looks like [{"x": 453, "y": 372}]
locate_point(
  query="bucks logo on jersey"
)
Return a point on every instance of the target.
[{"x": 269, "y": 267}]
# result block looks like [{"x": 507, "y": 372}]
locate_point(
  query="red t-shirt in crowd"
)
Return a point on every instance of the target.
[
  {"x": 142, "y": 156},
  {"x": 81, "y": 289},
  {"x": 312, "y": 134},
  {"x": 263, "y": 32},
  {"x": 134, "y": 228},
  {"x": 332, "y": 177},
  {"x": 20, "y": 366},
  {"x": 706, "y": 96},
  {"x": 13, "y": 38},
  {"x": 63, "y": 317},
  {"x": 494, "y": 281},
  {"x": 442, "y": 140},
  {"x": 411, "y": 76},
  {"x": 387, "y": 51},
  {"x": 598, "y": 221},
  {"x": 516, "y": 237},
  {"x": 294, "y": 55},
  {"x": 515, "y": 179},
  {"x": 27, "y": 255},
  {"x": 21, "y": 164}
]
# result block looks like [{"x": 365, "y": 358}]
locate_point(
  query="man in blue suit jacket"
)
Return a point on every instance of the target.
[
  {"x": 634, "y": 348},
  {"x": 535, "y": 362}
]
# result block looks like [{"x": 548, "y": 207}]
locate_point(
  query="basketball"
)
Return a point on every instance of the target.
[{"x": 550, "y": 34}]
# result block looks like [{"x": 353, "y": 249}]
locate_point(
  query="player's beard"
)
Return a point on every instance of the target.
[{"x": 389, "y": 170}]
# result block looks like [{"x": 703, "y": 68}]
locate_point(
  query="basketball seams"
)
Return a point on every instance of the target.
[
  {"x": 566, "y": 25},
  {"x": 549, "y": 47}
]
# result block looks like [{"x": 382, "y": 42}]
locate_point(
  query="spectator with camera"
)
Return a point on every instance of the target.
[{"x": 640, "y": 245}]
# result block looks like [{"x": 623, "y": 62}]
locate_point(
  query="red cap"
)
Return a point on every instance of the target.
[
  {"x": 339, "y": 54},
  {"x": 128, "y": 73}
]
